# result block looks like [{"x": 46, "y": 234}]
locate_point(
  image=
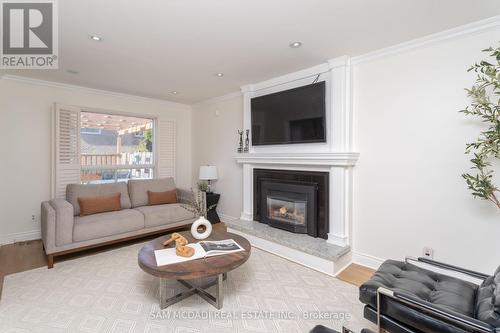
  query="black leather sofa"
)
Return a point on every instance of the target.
[{"x": 404, "y": 297}]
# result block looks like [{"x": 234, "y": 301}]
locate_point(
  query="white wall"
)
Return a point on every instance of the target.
[
  {"x": 408, "y": 190},
  {"x": 25, "y": 149},
  {"x": 215, "y": 142}
]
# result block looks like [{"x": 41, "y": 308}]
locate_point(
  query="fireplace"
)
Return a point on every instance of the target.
[
  {"x": 289, "y": 205},
  {"x": 296, "y": 201}
]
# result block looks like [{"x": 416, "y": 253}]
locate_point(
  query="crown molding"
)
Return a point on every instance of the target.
[
  {"x": 101, "y": 92},
  {"x": 488, "y": 24},
  {"x": 218, "y": 99},
  {"x": 339, "y": 62}
]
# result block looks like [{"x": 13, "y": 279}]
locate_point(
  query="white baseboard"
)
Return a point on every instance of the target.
[
  {"x": 337, "y": 240},
  {"x": 20, "y": 237},
  {"x": 224, "y": 217},
  {"x": 366, "y": 260}
]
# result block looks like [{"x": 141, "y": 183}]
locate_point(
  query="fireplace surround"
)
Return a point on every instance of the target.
[{"x": 335, "y": 157}]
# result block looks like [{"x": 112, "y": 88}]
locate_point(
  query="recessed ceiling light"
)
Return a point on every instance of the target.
[
  {"x": 72, "y": 71},
  {"x": 295, "y": 45},
  {"x": 219, "y": 74},
  {"x": 174, "y": 92},
  {"x": 96, "y": 38}
]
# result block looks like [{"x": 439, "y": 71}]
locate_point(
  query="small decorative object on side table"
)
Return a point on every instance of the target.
[{"x": 212, "y": 201}]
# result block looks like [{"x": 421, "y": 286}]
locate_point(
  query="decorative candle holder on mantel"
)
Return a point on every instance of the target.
[
  {"x": 240, "y": 147},
  {"x": 247, "y": 141}
]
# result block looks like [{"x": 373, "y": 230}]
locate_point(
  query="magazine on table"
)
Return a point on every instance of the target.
[{"x": 202, "y": 249}]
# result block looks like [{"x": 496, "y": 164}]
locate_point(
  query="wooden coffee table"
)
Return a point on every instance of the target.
[{"x": 216, "y": 266}]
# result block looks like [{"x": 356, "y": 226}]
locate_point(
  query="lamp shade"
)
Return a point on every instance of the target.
[{"x": 208, "y": 172}]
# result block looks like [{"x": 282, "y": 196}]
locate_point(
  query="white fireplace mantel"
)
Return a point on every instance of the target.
[{"x": 319, "y": 159}]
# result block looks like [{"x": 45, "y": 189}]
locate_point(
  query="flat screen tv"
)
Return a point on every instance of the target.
[{"x": 290, "y": 116}]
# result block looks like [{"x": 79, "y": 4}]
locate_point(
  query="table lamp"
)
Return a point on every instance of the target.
[{"x": 208, "y": 173}]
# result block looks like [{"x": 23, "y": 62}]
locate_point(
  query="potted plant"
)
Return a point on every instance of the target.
[{"x": 486, "y": 149}]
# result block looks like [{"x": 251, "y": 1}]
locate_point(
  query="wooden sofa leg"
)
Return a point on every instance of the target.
[{"x": 50, "y": 261}]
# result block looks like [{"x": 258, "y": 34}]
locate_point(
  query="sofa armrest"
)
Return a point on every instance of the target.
[
  {"x": 442, "y": 265},
  {"x": 64, "y": 221},
  {"x": 48, "y": 222}
]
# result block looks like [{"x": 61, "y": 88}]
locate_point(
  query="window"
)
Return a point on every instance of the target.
[
  {"x": 105, "y": 147},
  {"x": 115, "y": 148}
]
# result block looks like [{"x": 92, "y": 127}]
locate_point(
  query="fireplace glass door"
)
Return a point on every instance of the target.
[{"x": 287, "y": 211}]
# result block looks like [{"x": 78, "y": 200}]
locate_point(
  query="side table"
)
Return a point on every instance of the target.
[{"x": 213, "y": 199}]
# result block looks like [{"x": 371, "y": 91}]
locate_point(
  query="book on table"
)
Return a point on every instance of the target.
[{"x": 202, "y": 249}]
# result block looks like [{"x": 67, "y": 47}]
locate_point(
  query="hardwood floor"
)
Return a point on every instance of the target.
[
  {"x": 356, "y": 274},
  {"x": 20, "y": 257}
]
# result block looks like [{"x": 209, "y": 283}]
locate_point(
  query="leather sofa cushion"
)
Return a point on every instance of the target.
[
  {"x": 106, "y": 224},
  {"x": 488, "y": 300},
  {"x": 138, "y": 189},
  {"x": 440, "y": 290},
  {"x": 164, "y": 214},
  {"x": 75, "y": 191},
  {"x": 102, "y": 204}
]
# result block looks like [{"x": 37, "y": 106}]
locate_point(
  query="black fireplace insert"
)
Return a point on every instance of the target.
[
  {"x": 296, "y": 201},
  {"x": 289, "y": 205}
]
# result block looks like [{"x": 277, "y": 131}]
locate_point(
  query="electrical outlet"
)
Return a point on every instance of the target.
[
  {"x": 428, "y": 252},
  {"x": 33, "y": 218}
]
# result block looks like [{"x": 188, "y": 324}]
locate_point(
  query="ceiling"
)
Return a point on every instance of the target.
[{"x": 151, "y": 48}]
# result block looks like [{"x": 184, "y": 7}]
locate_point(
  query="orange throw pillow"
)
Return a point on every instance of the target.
[
  {"x": 162, "y": 198},
  {"x": 103, "y": 204}
]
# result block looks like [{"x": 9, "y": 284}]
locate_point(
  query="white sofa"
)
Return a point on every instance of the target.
[{"x": 65, "y": 231}]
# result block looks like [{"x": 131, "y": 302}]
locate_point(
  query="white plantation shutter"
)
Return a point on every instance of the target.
[
  {"x": 66, "y": 168},
  {"x": 166, "y": 148}
]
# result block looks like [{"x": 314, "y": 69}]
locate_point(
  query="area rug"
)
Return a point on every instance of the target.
[{"x": 108, "y": 292}]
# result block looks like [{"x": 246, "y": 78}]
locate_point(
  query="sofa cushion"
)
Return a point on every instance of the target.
[
  {"x": 164, "y": 214},
  {"x": 75, "y": 191},
  {"x": 138, "y": 189},
  {"x": 488, "y": 300},
  {"x": 440, "y": 290},
  {"x": 106, "y": 224},
  {"x": 162, "y": 198},
  {"x": 101, "y": 204}
]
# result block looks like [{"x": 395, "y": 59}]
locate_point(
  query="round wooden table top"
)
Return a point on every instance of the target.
[{"x": 197, "y": 268}]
